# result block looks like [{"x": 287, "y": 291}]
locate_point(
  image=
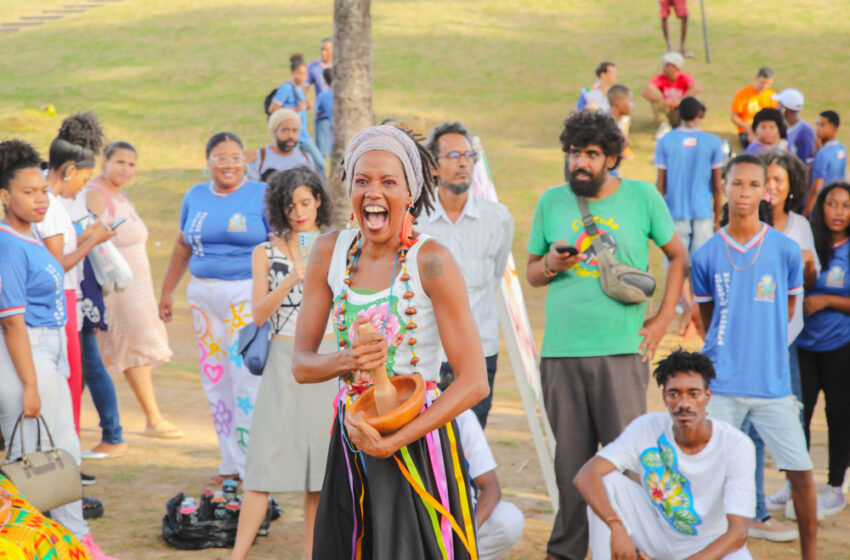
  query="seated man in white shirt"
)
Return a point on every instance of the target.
[
  {"x": 697, "y": 490},
  {"x": 500, "y": 523}
]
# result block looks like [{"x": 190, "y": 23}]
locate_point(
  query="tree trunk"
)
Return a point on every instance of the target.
[{"x": 352, "y": 87}]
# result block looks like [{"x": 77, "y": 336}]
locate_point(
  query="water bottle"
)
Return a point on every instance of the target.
[
  {"x": 233, "y": 509},
  {"x": 188, "y": 512},
  {"x": 219, "y": 505},
  {"x": 229, "y": 490},
  {"x": 727, "y": 151},
  {"x": 205, "y": 509}
]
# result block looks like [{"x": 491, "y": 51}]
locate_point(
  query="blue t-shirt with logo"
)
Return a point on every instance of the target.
[
  {"x": 801, "y": 140},
  {"x": 747, "y": 339},
  {"x": 223, "y": 229},
  {"x": 830, "y": 162},
  {"x": 289, "y": 96},
  {"x": 829, "y": 328},
  {"x": 688, "y": 156},
  {"x": 32, "y": 282}
]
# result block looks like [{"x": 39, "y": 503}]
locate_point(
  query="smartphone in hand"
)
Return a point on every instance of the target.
[
  {"x": 306, "y": 241},
  {"x": 117, "y": 223},
  {"x": 569, "y": 249}
]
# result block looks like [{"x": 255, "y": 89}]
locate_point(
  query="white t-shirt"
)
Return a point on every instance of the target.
[
  {"x": 478, "y": 454},
  {"x": 57, "y": 222},
  {"x": 692, "y": 493},
  {"x": 799, "y": 230}
]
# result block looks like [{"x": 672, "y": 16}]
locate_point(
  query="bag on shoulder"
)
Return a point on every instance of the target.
[
  {"x": 267, "y": 102},
  {"x": 619, "y": 281},
  {"x": 254, "y": 346},
  {"x": 46, "y": 478}
]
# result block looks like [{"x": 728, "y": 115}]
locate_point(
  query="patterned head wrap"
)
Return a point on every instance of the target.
[{"x": 392, "y": 140}]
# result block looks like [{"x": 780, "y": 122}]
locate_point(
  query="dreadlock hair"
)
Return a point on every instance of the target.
[
  {"x": 821, "y": 233},
  {"x": 78, "y": 142},
  {"x": 281, "y": 187},
  {"x": 16, "y": 155},
  {"x": 796, "y": 169},
  {"x": 682, "y": 361}
]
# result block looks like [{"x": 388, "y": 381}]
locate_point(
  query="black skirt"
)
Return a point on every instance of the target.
[{"x": 370, "y": 508}]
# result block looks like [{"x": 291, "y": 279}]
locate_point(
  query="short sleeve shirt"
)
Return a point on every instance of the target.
[
  {"x": 675, "y": 89},
  {"x": 799, "y": 230},
  {"x": 801, "y": 140},
  {"x": 325, "y": 105},
  {"x": 475, "y": 447},
  {"x": 749, "y": 285},
  {"x": 692, "y": 494},
  {"x": 273, "y": 160},
  {"x": 689, "y": 157},
  {"x": 830, "y": 162},
  {"x": 315, "y": 77},
  {"x": 580, "y": 319},
  {"x": 31, "y": 281},
  {"x": 223, "y": 229},
  {"x": 748, "y": 102},
  {"x": 58, "y": 222},
  {"x": 289, "y": 96},
  {"x": 593, "y": 98},
  {"x": 829, "y": 328}
]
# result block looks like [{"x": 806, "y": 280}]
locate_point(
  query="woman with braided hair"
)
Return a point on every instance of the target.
[{"x": 404, "y": 494}]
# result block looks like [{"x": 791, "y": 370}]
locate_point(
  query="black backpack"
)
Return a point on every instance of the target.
[{"x": 267, "y": 102}]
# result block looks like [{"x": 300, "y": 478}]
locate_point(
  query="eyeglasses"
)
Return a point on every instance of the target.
[
  {"x": 455, "y": 156},
  {"x": 224, "y": 161}
]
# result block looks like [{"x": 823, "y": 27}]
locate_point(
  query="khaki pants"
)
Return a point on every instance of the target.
[
  {"x": 661, "y": 115},
  {"x": 589, "y": 401}
]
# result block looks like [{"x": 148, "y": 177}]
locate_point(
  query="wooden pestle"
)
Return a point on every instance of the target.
[{"x": 386, "y": 399}]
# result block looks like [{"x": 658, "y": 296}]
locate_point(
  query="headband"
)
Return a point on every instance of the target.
[
  {"x": 388, "y": 139},
  {"x": 281, "y": 115}
]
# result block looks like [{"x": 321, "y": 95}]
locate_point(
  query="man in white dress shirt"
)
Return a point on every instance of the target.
[{"x": 479, "y": 234}]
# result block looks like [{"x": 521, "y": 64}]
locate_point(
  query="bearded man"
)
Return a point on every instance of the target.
[
  {"x": 283, "y": 153},
  {"x": 479, "y": 234},
  {"x": 595, "y": 350}
]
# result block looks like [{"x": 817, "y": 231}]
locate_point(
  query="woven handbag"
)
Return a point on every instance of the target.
[{"x": 46, "y": 478}]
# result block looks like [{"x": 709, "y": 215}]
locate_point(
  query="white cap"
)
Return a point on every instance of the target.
[
  {"x": 791, "y": 99},
  {"x": 673, "y": 58}
]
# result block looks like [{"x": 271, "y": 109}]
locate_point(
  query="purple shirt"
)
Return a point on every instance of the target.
[
  {"x": 315, "y": 77},
  {"x": 801, "y": 140}
]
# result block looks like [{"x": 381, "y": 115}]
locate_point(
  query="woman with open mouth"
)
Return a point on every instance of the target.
[{"x": 405, "y": 494}]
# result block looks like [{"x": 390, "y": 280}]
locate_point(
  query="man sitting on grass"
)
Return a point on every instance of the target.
[{"x": 697, "y": 492}]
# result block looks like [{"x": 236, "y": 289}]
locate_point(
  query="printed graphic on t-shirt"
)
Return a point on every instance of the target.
[
  {"x": 584, "y": 243},
  {"x": 690, "y": 142},
  {"x": 766, "y": 288},
  {"x": 237, "y": 223},
  {"x": 835, "y": 278},
  {"x": 669, "y": 489},
  {"x": 841, "y": 154}
]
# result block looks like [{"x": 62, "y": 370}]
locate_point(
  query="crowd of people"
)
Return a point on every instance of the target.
[{"x": 756, "y": 254}]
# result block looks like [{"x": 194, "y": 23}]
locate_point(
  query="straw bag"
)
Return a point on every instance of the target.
[{"x": 47, "y": 479}]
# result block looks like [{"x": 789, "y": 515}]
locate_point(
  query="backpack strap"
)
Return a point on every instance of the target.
[{"x": 262, "y": 160}]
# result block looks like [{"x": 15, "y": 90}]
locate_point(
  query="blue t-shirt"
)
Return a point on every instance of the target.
[
  {"x": 325, "y": 105},
  {"x": 747, "y": 339},
  {"x": 830, "y": 162},
  {"x": 32, "y": 282},
  {"x": 315, "y": 77},
  {"x": 801, "y": 140},
  {"x": 289, "y": 96},
  {"x": 829, "y": 328},
  {"x": 223, "y": 229},
  {"x": 688, "y": 157}
]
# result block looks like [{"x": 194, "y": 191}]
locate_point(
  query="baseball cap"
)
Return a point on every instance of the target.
[
  {"x": 673, "y": 58},
  {"x": 790, "y": 98}
]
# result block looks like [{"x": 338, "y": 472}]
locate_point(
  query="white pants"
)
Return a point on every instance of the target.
[
  {"x": 220, "y": 308},
  {"x": 650, "y": 535},
  {"x": 500, "y": 531},
  {"x": 51, "y": 364}
]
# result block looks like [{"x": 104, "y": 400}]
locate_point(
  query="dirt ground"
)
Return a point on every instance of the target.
[{"x": 135, "y": 487}]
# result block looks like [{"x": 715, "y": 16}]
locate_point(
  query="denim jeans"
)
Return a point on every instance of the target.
[
  {"x": 102, "y": 389},
  {"x": 318, "y": 159},
  {"x": 324, "y": 137},
  {"x": 747, "y": 428}
]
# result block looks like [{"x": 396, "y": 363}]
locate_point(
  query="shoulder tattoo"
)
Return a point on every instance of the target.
[{"x": 432, "y": 267}]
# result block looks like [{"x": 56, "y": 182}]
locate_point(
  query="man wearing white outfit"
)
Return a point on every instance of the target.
[
  {"x": 696, "y": 493},
  {"x": 500, "y": 523}
]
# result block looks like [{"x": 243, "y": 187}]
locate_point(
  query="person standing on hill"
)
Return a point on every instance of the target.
[
  {"x": 479, "y": 234},
  {"x": 595, "y": 349},
  {"x": 681, "y": 8},
  {"x": 749, "y": 101},
  {"x": 316, "y": 69}
]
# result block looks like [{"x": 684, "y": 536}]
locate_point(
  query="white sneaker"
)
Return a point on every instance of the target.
[
  {"x": 791, "y": 514},
  {"x": 663, "y": 129},
  {"x": 772, "y": 530},
  {"x": 831, "y": 501},
  {"x": 777, "y": 501}
]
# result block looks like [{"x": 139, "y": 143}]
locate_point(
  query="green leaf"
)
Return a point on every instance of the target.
[
  {"x": 668, "y": 510},
  {"x": 683, "y": 527},
  {"x": 685, "y": 499},
  {"x": 676, "y": 477},
  {"x": 686, "y": 516},
  {"x": 668, "y": 455},
  {"x": 651, "y": 459}
]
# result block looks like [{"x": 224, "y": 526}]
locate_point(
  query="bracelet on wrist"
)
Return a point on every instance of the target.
[
  {"x": 613, "y": 519},
  {"x": 546, "y": 272}
]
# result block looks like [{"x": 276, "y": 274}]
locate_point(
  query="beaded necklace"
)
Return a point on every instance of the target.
[{"x": 410, "y": 312}]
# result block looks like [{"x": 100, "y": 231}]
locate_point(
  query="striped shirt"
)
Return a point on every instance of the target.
[{"x": 480, "y": 241}]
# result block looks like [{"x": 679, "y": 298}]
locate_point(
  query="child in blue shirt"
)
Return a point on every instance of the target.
[{"x": 830, "y": 160}]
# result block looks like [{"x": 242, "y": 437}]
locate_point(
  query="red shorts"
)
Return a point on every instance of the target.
[{"x": 681, "y": 7}]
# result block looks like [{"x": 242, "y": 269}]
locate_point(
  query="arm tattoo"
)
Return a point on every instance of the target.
[
  {"x": 432, "y": 267},
  {"x": 316, "y": 258}
]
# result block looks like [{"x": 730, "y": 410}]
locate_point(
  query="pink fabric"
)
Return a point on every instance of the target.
[{"x": 675, "y": 89}]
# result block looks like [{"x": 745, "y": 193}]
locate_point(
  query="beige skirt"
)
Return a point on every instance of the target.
[{"x": 290, "y": 429}]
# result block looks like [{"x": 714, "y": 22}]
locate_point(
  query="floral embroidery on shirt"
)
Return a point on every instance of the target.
[{"x": 668, "y": 489}]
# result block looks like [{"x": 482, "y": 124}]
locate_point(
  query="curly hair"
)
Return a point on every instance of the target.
[
  {"x": 441, "y": 130},
  {"x": 16, "y": 155},
  {"x": 583, "y": 128},
  {"x": 281, "y": 187},
  {"x": 682, "y": 361},
  {"x": 821, "y": 233},
  {"x": 78, "y": 141},
  {"x": 770, "y": 114},
  {"x": 796, "y": 169}
]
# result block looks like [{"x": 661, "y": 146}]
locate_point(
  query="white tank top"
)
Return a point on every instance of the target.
[{"x": 374, "y": 305}]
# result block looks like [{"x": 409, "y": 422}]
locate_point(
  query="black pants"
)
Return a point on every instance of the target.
[
  {"x": 830, "y": 372},
  {"x": 482, "y": 409}
]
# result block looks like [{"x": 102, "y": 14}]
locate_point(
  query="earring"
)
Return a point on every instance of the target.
[
  {"x": 67, "y": 178},
  {"x": 206, "y": 172},
  {"x": 351, "y": 219},
  {"x": 406, "y": 236}
]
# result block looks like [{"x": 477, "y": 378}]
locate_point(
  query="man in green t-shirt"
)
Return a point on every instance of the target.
[{"x": 594, "y": 369}]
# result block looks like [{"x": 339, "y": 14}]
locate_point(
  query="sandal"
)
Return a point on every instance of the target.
[
  {"x": 163, "y": 430},
  {"x": 219, "y": 479}
]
